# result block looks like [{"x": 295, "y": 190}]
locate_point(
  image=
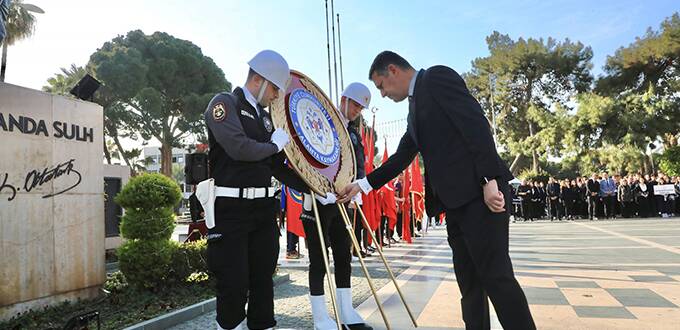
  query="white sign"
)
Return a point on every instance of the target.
[{"x": 664, "y": 189}]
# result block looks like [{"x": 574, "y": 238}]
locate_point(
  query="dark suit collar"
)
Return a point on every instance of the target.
[{"x": 417, "y": 77}]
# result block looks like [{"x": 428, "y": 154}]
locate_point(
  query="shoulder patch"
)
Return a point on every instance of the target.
[{"x": 219, "y": 111}]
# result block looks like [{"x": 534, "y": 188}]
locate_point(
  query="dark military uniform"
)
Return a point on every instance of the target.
[
  {"x": 243, "y": 246},
  {"x": 335, "y": 234}
]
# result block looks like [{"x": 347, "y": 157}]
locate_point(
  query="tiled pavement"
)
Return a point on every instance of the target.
[{"x": 622, "y": 274}]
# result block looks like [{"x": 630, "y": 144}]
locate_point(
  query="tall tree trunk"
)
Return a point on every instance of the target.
[
  {"x": 166, "y": 159},
  {"x": 4, "y": 62},
  {"x": 528, "y": 95},
  {"x": 515, "y": 163},
  {"x": 122, "y": 155},
  {"x": 534, "y": 154},
  {"x": 121, "y": 151},
  {"x": 107, "y": 154}
]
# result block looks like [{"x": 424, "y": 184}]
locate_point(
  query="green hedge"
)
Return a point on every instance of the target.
[
  {"x": 146, "y": 264},
  {"x": 153, "y": 224},
  {"x": 146, "y": 258},
  {"x": 149, "y": 191}
]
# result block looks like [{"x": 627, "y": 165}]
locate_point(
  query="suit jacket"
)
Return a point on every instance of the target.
[
  {"x": 593, "y": 186},
  {"x": 447, "y": 126}
]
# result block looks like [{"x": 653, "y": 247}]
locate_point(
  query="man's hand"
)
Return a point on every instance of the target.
[
  {"x": 493, "y": 198},
  {"x": 348, "y": 192},
  {"x": 329, "y": 199},
  {"x": 280, "y": 138}
]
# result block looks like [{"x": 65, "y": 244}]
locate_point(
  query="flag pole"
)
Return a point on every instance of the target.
[
  {"x": 328, "y": 52},
  {"x": 335, "y": 63},
  {"x": 324, "y": 253},
  {"x": 387, "y": 266},
  {"x": 357, "y": 248}
]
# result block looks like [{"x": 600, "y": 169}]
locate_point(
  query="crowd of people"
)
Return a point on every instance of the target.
[{"x": 598, "y": 197}]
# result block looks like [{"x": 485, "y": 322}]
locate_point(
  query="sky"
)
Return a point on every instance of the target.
[{"x": 426, "y": 33}]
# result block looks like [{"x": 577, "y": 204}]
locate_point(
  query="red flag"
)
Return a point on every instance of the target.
[
  {"x": 417, "y": 190},
  {"x": 388, "y": 204},
  {"x": 293, "y": 211},
  {"x": 370, "y": 205},
  {"x": 406, "y": 207}
]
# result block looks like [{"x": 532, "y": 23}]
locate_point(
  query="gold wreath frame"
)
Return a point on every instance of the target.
[{"x": 315, "y": 180}]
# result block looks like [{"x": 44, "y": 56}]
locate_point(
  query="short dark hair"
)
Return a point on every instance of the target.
[
  {"x": 384, "y": 59},
  {"x": 251, "y": 74}
]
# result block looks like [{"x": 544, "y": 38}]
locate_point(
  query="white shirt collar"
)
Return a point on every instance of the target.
[
  {"x": 412, "y": 84},
  {"x": 251, "y": 99}
]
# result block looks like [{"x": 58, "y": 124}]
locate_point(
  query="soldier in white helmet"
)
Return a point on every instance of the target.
[
  {"x": 355, "y": 98},
  {"x": 245, "y": 152}
]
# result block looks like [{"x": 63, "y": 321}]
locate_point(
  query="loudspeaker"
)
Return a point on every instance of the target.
[
  {"x": 195, "y": 168},
  {"x": 85, "y": 88}
]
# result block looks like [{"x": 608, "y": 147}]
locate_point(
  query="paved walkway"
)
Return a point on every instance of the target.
[{"x": 622, "y": 274}]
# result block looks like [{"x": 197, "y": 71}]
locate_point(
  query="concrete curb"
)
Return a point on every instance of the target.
[{"x": 188, "y": 313}]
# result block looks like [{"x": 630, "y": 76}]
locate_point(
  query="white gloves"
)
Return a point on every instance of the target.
[
  {"x": 307, "y": 200},
  {"x": 357, "y": 199},
  {"x": 280, "y": 138},
  {"x": 329, "y": 199}
]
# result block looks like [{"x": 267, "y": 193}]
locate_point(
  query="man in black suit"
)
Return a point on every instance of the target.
[
  {"x": 553, "y": 192},
  {"x": 464, "y": 176},
  {"x": 593, "y": 188}
]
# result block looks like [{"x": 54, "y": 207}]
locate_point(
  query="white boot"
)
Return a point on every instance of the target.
[
  {"x": 240, "y": 326},
  {"x": 320, "y": 314},
  {"x": 348, "y": 314}
]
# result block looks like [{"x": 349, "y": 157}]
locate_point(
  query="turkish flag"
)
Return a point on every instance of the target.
[
  {"x": 417, "y": 190},
  {"x": 388, "y": 204},
  {"x": 406, "y": 208},
  {"x": 293, "y": 208}
]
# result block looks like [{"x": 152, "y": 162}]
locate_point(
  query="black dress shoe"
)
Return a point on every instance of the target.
[{"x": 358, "y": 326}]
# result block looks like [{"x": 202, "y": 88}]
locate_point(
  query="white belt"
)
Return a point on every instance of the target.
[{"x": 246, "y": 193}]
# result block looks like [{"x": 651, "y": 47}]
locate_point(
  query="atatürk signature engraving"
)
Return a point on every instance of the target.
[{"x": 37, "y": 178}]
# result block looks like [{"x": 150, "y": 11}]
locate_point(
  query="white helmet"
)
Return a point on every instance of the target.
[
  {"x": 271, "y": 66},
  {"x": 359, "y": 93}
]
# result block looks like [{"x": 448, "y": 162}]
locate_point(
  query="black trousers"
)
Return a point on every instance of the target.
[
  {"x": 381, "y": 234},
  {"x": 483, "y": 267},
  {"x": 609, "y": 206},
  {"x": 592, "y": 206},
  {"x": 569, "y": 208},
  {"x": 555, "y": 211},
  {"x": 292, "y": 241},
  {"x": 242, "y": 252},
  {"x": 399, "y": 226},
  {"x": 335, "y": 236},
  {"x": 627, "y": 209}
]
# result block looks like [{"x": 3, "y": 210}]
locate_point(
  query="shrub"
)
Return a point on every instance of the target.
[
  {"x": 146, "y": 263},
  {"x": 149, "y": 191},
  {"x": 189, "y": 258},
  {"x": 146, "y": 257},
  {"x": 153, "y": 224}
]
